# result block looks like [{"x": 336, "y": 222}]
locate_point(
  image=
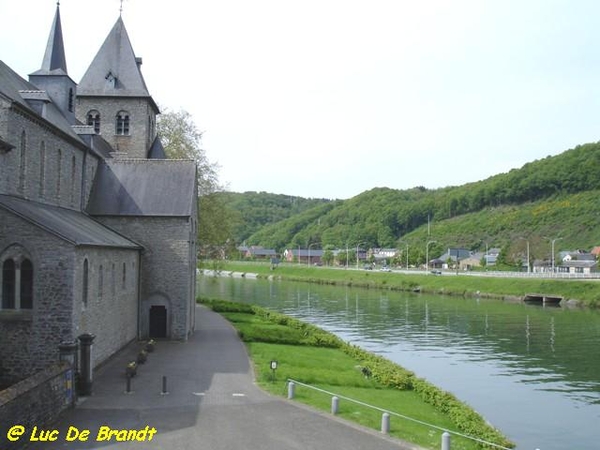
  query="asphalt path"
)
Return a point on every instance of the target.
[{"x": 212, "y": 403}]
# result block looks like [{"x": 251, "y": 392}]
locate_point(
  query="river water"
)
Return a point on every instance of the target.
[{"x": 532, "y": 371}]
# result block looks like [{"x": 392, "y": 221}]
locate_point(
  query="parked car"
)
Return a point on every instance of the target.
[
  {"x": 385, "y": 269},
  {"x": 436, "y": 272}
]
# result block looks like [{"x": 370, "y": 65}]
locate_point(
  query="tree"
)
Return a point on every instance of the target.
[
  {"x": 181, "y": 139},
  {"x": 327, "y": 257}
]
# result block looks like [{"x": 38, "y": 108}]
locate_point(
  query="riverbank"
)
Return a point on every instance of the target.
[
  {"x": 310, "y": 355},
  {"x": 573, "y": 292}
]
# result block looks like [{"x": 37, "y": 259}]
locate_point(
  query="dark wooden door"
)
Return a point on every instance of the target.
[{"x": 158, "y": 322}]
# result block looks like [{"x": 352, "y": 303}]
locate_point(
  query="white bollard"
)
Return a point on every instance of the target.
[
  {"x": 385, "y": 423},
  {"x": 445, "y": 440},
  {"x": 335, "y": 405},
  {"x": 291, "y": 390}
]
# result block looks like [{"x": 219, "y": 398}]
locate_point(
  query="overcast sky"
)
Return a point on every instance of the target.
[{"x": 329, "y": 98}]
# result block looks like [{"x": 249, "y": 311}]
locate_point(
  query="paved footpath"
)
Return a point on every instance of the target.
[{"x": 212, "y": 403}]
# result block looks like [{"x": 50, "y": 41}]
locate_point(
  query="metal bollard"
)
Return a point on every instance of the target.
[
  {"x": 445, "y": 440},
  {"x": 291, "y": 390},
  {"x": 128, "y": 385},
  {"x": 385, "y": 423},
  {"x": 164, "y": 386},
  {"x": 335, "y": 405}
]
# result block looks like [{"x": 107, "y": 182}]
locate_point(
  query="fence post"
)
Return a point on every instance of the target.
[
  {"x": 291, "y": 390},
  {"x": 445, "y": 440},
  {"x": 385, "y": 423},
  {"x": 335, "y": 405}
]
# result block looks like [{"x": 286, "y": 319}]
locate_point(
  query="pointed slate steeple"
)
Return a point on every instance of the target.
[
  {"x": 54, "y": 58},
  {"x": 54, "y": 61},
  {"x": 115, "y": 70},
  {"x": 113, "y": 95},
  {"x": 53, "y": 77}
]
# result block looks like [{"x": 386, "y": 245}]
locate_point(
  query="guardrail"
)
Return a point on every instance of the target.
[{"x": 385, "y": 417}]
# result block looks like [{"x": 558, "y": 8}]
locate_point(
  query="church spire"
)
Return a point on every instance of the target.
[
  {"x": 54, "y": 58},
  {"x": 52, "y": 76}
]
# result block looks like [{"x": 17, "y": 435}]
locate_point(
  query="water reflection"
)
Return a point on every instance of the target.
[{"x": 532, "y": 371}]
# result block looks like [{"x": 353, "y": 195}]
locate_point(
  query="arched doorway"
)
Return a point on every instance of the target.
[
  {"x": 156, "y": 316},
  {"x": 158, "y": 321}
]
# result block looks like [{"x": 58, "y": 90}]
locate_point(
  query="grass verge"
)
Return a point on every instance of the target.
[
  {"x": 584, "y": 291},
  {"x": 313, "y": 356}
]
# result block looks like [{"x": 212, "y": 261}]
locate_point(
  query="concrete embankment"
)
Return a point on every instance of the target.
[{"x": 227, "y": 273}]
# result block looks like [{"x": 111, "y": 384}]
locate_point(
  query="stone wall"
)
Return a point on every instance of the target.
[
  {"x": 111, "y": 312},
  {"x": 35, "y": 401},
  {"x": 43, "y": 166},
  {"x": 168, "y": 268}
]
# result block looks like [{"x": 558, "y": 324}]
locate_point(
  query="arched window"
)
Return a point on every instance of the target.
[
  {"x": 93, "y": 119},
  {"x": 22, "y": 162},
  {"x": 100, "y": 281},
  {"x": 73, "y": 172},
  {"x": 58, "y": 174},
  {"x": 8, "y": 284},
  {"x": 86, "y": 283},
  {"x": 17, "y": 279},
  {"x": 122, "y": 123},
  {"x": 42, "y": 168},
  {"x": 26, "y": 284},
  {"x": 113, "y": 280}
]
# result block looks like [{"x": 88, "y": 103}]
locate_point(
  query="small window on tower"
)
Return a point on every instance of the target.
[
  {"x": 71, "y": 100},
  {"x": 122, "y": 123},
  {"x": 93, "y": 119}
]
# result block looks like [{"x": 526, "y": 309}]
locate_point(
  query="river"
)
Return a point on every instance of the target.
[{"x": 532, "y": 371}]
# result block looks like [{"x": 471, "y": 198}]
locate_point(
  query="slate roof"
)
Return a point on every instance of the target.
[
  {"x": 262, "y": 251},
  {"x": 54, "y": 62},
  {"x": 451, "y": 254},
  {"x": 69, "y": 225},
  {"x": 157, "y": 151},
  {"x": 115, "y": 59},
  {"x": 138, "y": 187},
  {"x": 26, "y": 94}
]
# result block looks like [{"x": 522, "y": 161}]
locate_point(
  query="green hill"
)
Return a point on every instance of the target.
[
  {"x": 254, "y": 210},
  {"x": 545, "y": 199}
]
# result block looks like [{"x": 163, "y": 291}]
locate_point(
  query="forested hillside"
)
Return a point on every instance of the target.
[
  {"x": 257, "y": 209},
  {"x": 543, "y": 199}
]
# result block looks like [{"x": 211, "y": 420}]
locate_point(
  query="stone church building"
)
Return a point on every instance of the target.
[{"x": 97, "y": 228}]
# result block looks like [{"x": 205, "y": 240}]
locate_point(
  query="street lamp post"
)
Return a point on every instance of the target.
[
  {"x": 528, "y": 262},
  {"x": 427, "y": 256},
  {"x": 347, "y": 255},
  {"x": 553, "y": 241}
]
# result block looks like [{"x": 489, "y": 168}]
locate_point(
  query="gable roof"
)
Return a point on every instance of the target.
[
  {"x": 69, "y": 225},
  {"x": 144, "y": 187},
  {"x": 115, "y": 61}
]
